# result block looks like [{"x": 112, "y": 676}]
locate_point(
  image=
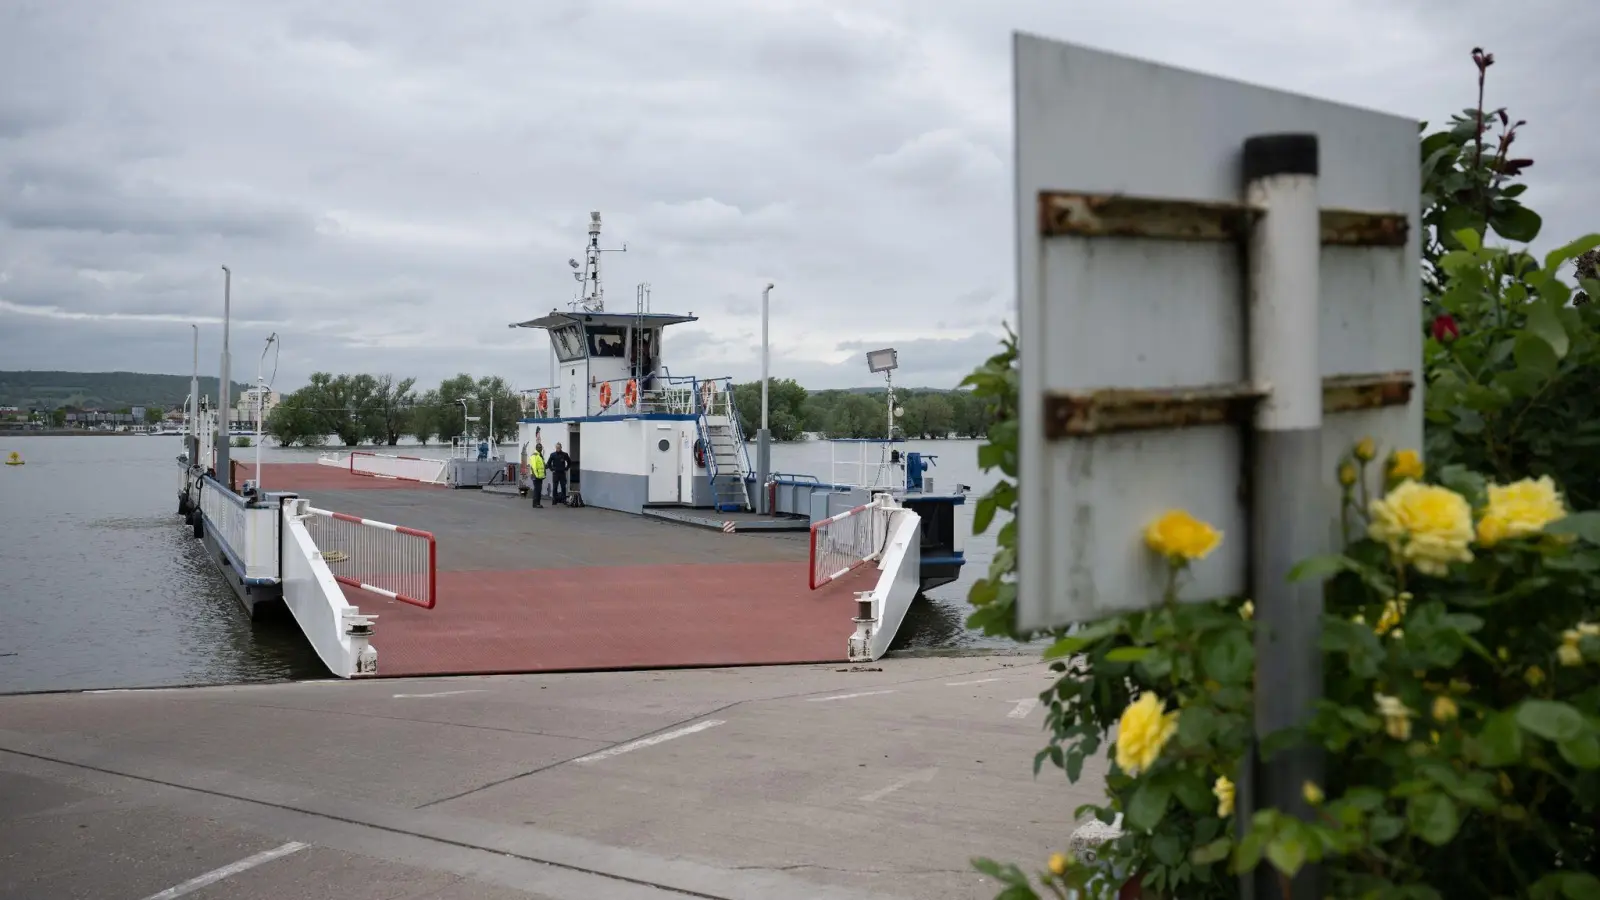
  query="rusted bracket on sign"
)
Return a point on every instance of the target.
[
  {"x": 1112, "y": 410},
  {"x": 1069, "y": 214}
]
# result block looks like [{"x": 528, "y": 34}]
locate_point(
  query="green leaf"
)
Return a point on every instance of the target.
[
  {"x": 1535, "y": 356},
  {"x": 1517, "y": 223},
  {"x": 1321, "y": 568},
  {"x": 1193, "y": 793},
  {"x": 1128, "y": 654},
  {"x": 1005, "y": 874},
  {"x": 1582, "y": 751},
  {"x": 1167, "y": 849},
  {"x": 1287, "y": 851},
  {"x": 1017, "y": 892},
  {"x": 1500, "y": 742},
  {"x": 1075, "y": 643},
  {"x": 1577, "y": 248},
  {"x": 1585, "y": 525},
  {"x": 1148, "y": 805},
  {"x": 983, "y": 514},
  {"x": 1229, "y": 657},
  {"x": 1433, "y": 817},
  {"x": 1551, "y": 720},
  {"x": 1365, "y": 799},
  {"x": 1546, "y": 326},
  {"x": 1216, "y": 851},
  {"x": 1386, "y": 828},
  {"x": 1461, "y": 224}
]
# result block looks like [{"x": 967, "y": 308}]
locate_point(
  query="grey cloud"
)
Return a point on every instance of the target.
[{"x": 393, "y": 183}]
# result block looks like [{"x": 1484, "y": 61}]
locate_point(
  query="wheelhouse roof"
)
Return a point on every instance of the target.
[{"x": 556, "y": 318}]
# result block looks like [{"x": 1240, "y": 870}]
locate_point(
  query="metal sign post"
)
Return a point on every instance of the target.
[{"x": 1219, "y": 290}]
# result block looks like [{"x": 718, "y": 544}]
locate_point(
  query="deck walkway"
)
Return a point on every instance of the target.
[{"x": 559, "y": 589}]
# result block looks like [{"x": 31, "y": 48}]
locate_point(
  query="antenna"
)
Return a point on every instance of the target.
[{"x": 592, "y": 295}]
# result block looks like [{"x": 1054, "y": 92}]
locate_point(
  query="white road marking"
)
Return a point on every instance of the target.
[
  {"x": 923, "y": 775},
  {"x": 965, "y": 683},
  {"x": 650, "y": 741},
  {"x": 443, "y": 693},
  {"x": 1022, "y": 708},
  {"x": 227, "y": 871},
  {"x": 847, "y": 696}
]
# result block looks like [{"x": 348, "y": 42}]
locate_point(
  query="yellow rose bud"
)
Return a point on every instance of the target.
[
  {"x": 1569, "y": 655},
  {"x": 1534, "y": 676},
  {"x": 1405, "y": 464},
  {"x": 1247, "y": 610},
  {"x": 1348, "y": 474},
  {"x": 1366, "y": 449},
  {"x": 1058, "y": 864},
  {"x": 1312, "y": 793},
  {"x": 1180, "y": 537},
  {"x": 1445, "y": 709},
  {"x": 1223, "y": 789}
]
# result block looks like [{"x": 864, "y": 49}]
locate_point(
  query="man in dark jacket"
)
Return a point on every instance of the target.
[{"x": 558, "y": 464}]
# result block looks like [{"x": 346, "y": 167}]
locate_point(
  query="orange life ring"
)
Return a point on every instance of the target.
[
  {"x": 605, "y": 394},
  {"x": 630, "y": 394},
  {"x": 544, "y": 401},
  {"x": 708, "y": 390}
]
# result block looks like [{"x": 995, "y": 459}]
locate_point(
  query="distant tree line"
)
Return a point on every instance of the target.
[
  {"x": 108, "y": 391},
  {"x": 793, "y": 412},
  {"x": 380, "y": 409}
]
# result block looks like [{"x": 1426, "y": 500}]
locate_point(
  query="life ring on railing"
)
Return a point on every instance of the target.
[
  {"x": 605, "y": 394},
  {"x": 630, "y": 394},
  {"x": 543, "y": 403},
  {"x": 708, "y": 390},
  {"x": 700, "y": 453}
]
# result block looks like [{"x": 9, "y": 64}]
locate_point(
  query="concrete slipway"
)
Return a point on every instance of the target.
[{"x": 803, "y": 782}]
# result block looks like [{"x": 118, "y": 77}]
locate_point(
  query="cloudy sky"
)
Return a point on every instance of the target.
[{"x": 392, "y": 181}]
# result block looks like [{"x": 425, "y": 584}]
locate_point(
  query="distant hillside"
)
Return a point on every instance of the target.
[
  {"x": 101, "y": 390},
  {"x": 879, "y": 390}
]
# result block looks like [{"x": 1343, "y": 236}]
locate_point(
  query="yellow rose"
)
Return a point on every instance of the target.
[
  {"x": 1181, "y": 537},
  {"x": 1405, "y": 464},
  {"x": 1247, "y": 610},
  {"x": 1058, "y": 864},
  {"x": 1445, "y": 709},
  {"x": 1534, "y": 676},
  {"x": 1312, "y": 793},
  {"x": 1223, "y": 788},
  {"x": 1520, "y": 509},
  {"x": 1396, "y": 716},
  {"x": 1429, "y": 526},
  {"x": 1141, "y": 733},
  {"x": 1366, "y": 449}
]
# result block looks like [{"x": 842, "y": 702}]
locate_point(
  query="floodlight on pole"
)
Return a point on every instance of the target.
[{"x": 886, "y": 361}]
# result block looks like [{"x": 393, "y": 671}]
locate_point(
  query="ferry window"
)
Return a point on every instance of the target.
[
  {"x": 606, "y": 342},
  {"x": 569, "y": 343}
]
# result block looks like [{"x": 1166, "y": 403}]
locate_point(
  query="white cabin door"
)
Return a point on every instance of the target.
[{"x": 664, "y": 462}]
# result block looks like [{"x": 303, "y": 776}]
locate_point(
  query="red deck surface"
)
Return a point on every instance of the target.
[
  {"x": 558, "y": 589},
  {"x": 636, "y": 617},
  {"x": 309, "y": 477}
]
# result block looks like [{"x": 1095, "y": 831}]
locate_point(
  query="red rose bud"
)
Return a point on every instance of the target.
[{"x": 1445, "y": 328}]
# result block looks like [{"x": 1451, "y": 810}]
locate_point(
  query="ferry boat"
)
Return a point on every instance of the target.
[{"x": 643, "y": 440}]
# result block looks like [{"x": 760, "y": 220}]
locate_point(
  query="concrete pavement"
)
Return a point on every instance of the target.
[{"x": 806, "y": 782}]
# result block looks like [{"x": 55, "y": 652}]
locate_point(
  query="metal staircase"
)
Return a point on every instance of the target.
[{"x": 727, "y": 461}]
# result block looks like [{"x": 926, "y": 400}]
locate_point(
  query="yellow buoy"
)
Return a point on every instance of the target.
[{"x": 15, "y": 459}]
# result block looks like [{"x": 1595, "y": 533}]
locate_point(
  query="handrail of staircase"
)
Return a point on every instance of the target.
[{"x": 700, "y": 427}]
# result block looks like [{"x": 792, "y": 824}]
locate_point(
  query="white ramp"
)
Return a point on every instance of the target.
[
  {"x": 339, "y": 633},
  {"x": 884, "y": 532}
]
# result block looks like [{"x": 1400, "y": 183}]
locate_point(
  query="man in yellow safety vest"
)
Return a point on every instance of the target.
[{"x": 536, "y": 471}]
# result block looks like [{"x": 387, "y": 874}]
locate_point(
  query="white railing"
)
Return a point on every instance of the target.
[
  {"x": 401, "y": 468},
  {"x": 389, "y": 560},
  {"x": 247, "y": 534},
  {"x": 842, "y": 543},
  {"x": 880, "y": 611},
  {"x": 338, "y": 631}
]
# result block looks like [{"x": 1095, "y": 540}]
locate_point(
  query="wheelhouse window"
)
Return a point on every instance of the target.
[
  {"x": 569, "y": 342},
  {"x": 607, "y": 342}
]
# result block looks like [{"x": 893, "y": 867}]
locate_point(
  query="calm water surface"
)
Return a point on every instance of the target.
[{"x": 102, "y": 587}]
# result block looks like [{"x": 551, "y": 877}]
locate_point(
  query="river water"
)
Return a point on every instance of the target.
[{"x": 101, "y": 587}]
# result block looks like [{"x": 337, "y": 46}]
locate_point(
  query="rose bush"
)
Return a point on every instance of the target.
[{"x": 1461, "y": 715}]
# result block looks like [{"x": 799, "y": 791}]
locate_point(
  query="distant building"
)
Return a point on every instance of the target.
[{"x": 245, "y": 408}]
